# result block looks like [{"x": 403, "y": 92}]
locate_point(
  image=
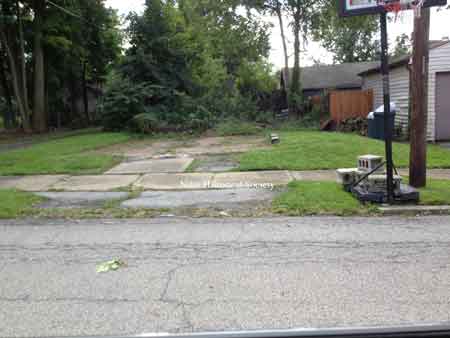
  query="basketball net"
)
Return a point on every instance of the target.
[{"x": 397, "y": 6}]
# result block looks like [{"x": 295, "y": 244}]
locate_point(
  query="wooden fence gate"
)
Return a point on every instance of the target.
[{"x": 350, "y": 103}]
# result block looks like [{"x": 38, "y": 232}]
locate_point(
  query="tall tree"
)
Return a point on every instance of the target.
[
  {"x": 39, "y": 109},
  {"x": 8, "y": 113},
  {"x": 351, "y": 39},
  {"x": 275, "y": 8},
  {"x": 10, "y": 28},
  {"x": 301, "y": 15}
]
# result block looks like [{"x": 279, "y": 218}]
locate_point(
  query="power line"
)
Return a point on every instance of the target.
[
  {"x": 69, "y": 12},
  {"x": 65, "y": 10}
]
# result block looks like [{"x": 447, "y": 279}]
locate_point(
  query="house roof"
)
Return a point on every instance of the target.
[
  {"x": 342, "y": 76},
  {"x": 402, "y": 60}
]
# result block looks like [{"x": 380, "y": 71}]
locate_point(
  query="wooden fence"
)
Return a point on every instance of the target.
[{"x": 350, "y": 103}]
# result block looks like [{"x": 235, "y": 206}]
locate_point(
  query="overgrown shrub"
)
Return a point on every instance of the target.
[{"x": 148, "y": 108}]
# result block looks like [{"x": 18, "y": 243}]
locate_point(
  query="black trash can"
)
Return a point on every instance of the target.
[{"x": 376, "y": 124}]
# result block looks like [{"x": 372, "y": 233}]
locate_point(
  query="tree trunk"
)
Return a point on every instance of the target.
[
  {"x": 295, "y": 96},
  {"x": 16, "y": 84},
  {"x": 8, "y": 114},
  {"x": 419, "y": 116},
  {"x": 283, "y": 40},
  {"x": 23, "y": 67},
  {"x": 39, "y": 114},
  {"x": 85, "y": 93},
  {"x": 73, "y": 96}
]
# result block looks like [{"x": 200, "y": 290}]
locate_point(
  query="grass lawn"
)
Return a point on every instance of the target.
[
  {"x": 237, "y": 128},
  {"x": 15, "y": 203},
  {"x": 313, "y": 150},
  {"x": 437, "y": 192},
  {"x": 70, "y": 155},
  {"x": 319, "y": 198},
  {"x": 329, "y": 198}
]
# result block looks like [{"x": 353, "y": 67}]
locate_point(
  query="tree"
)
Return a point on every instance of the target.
[
  {"x": 81, "y": 41},
  {"x": 12, "y": 43},
  {"x": 350, "y": 39},
  {"x": 56, "y": 47},
  {"x": 301, "y": 13},
  {"x": 277, "y": 8},
  {"x": 195, "y": 59},
  {"x": 39, "y": 110},
  {"x": 8, "y": 112},
  {"x": 229, "y": 34}
]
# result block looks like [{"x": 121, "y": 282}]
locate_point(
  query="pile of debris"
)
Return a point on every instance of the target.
[{"x": 368, "y": 182}]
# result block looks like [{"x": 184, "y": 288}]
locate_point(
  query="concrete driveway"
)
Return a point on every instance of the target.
[{"x": 185, "y": 275}]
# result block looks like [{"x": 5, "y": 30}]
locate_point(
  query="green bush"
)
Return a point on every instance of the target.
[{"x": 148, "y": 108}]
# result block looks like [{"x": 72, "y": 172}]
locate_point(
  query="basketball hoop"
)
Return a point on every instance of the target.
[{"x": 396, "y": 6}]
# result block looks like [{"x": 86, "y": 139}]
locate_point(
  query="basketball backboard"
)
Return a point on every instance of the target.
[{"x": 364, "y": 7}]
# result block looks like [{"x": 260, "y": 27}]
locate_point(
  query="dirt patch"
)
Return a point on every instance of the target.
[
  {"x": 138, "y": 150},
  {"x": 224, "y": 145}
]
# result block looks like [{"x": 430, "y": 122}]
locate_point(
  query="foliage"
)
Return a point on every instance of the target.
[
  {"x": 318, "y": 198},
  {"x": 311, "y": 150},
  {"x": 189, "y": 64},
  {"x": 77, "y": 42},
  {"x": 350, "y": 39},
  {"x": 403, "y": 46},
  {"x": 150, "y": 108},
  {"x": 71, "y": 155},
  {"x": 16, "y": 203},
  {"x": 235, "y": 127},
  {"x": 255, "y": 79}
]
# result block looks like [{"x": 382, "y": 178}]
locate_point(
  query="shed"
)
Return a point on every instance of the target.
[{"x": 438, "y": 91}]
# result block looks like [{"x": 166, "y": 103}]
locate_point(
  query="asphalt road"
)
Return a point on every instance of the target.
[{"x": 200, "y": 275}]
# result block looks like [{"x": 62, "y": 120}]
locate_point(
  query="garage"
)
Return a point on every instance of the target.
[
  {"x": 438, "y": 124},
  {"x": 443, "y": 106}
]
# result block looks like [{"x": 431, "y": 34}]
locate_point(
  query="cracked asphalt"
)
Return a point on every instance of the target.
[{"x": 186, "y": 275}]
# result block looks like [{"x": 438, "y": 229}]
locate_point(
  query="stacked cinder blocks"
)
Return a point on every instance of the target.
[{"x": 375, "y": 183}]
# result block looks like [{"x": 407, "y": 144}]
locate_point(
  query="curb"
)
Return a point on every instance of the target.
[{"x": 415, "y": 210}]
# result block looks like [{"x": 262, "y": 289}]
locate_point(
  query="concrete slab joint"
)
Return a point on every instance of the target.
[
  {"x": 165, "y": 165},
  {"x": 96, "y": 183}
]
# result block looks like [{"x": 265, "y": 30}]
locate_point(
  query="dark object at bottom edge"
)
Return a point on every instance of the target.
[{"x": 407, "y": 194}]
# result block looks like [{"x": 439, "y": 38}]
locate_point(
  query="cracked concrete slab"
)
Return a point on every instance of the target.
[
  {"x": 79, "y": 199},
  {"x": 251, "y": 179},
  {"x": 31, "y": 183},
  {"x": 216, "y": 163},
  {"x": 96, "y": 183},
  {"x": 174, "y": 181},
  {"x": 175, "y": 165},
  {"x": 199, "y": 198}
]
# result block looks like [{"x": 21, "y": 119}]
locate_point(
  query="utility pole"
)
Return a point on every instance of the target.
[{"x": 419, "y": 98}]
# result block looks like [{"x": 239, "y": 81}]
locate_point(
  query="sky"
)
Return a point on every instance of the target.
[{"x": 440, "y": 28}]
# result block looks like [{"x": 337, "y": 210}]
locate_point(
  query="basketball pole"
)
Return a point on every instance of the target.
[{"x": 387, "y": 107}]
